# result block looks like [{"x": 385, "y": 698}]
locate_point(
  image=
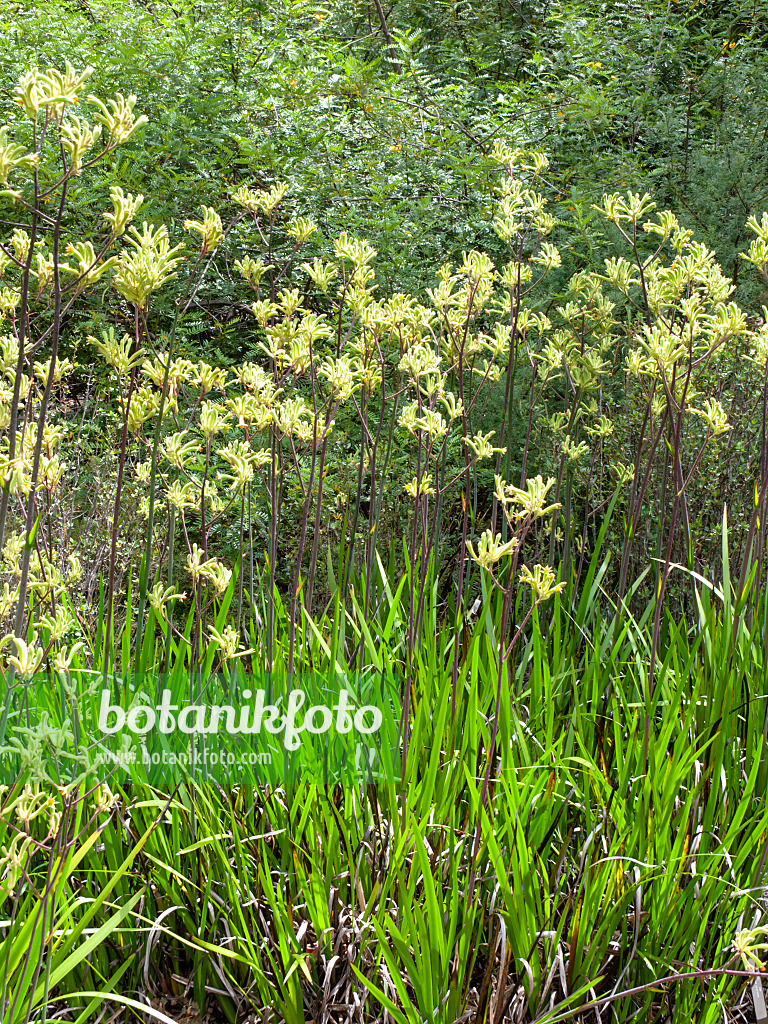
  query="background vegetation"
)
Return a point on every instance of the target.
[{"x": 490, "y": 415}]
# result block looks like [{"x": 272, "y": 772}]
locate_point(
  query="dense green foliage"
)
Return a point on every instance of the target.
[{"x": 460, "y": 375}]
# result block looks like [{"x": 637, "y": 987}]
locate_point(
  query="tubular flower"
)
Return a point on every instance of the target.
[
  {"x": 242, "y": 472},
  {"x": 28, "y": 657},
  {"x": 12, "y": 156},
  {"x": 264, "y": 310},
  {"x": 20, "y": 243},
  {"x": 62, "y": 368},
  {"x": 77, "y": 137},
  {"x": 210, "y": 377},
  {"x": 8, "y": 598},
  {"x": 124, "y": 208},
  {"x": 245, "y": 408},
  {"x": 144, "y": 405},
  {"x": 118, "y": 353},
  {"x": 482, "y": 447},
  {"x": 217, "y": 573},
  {"x": 51, "y": 471},
  {"x": 541, "y": 581},
  {"x": 418, "y": 487},
  {"x": 14, "y": 545},
  {"x": 194, "y": 562},
  {"x": 714, "y": 415},
  {"x": 624, "y": 474},
  {"x": 302, "y": 229},
  {"x": 58, "y": 625},
  {"x": 255, "y": 200},
  {"x": 321, "y": 273},
  {"x": 454, "y": 408},
  {"x": 52, "y": 89},
  {"x": 251, "y": 270},
  {"x": 182, "y": 496},
  {"x": 432, "y": 423},
  {"x": 531, "y": 500},
  {"x": 88, "y": 270},
  {"x": 239, "y": 456},
  {"x": 212, "y": 419},
  {"x": 178, "y": 451},
  {"x": 63, "y": 658},
  {"x": 117, "y": 117},
  {"x": 340, "y": 377},
  {"x": 491, "y": 549},
  {"x": 147, "y": 268},
  {"x": 180, "y": 370},
  {"x": 229, "y": 642},
  {"x": 408, "y": 417},
  {"x": 159, "y": 597},
  {"x": 747, "y": 946},
  {"x": 290, "y": 414},
  {"x": 209, "y": 228},
  {"x": 573, "y": 451}
]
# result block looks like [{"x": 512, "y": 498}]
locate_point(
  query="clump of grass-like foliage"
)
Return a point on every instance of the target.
[{"x": 580, "y": 831}]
